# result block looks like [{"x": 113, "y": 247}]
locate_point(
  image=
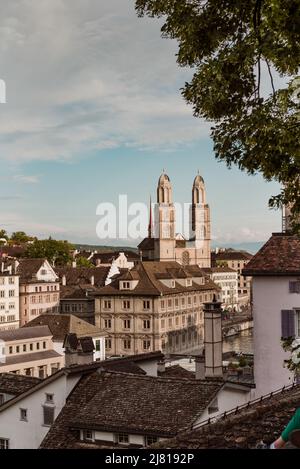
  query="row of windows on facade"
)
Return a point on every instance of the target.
[
  {"x": 127, "y": 344},
  {"x": 7, "y": 280},
  {"x": 9, "y": 318},
  {"x": 48, "y": 288},
  {"x": 38, "y": 312},
  {"x": 11, "y": 294},
  {"x": 27, "y": 347},
  {"x": 146, "y": 323},
  {"x": 126, "y": 304},
  {"x": 42, "y": 298},
  {"x": 119, "y": 438},
  {"x": 41, "y": 370},
  {"x": 10, "y": 306}
]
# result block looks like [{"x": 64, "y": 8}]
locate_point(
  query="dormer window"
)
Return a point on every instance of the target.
[
  {"x": 188, "y": 282},
  {"x": 125, "y": 285},
  {"x": 173, "y": 283}
]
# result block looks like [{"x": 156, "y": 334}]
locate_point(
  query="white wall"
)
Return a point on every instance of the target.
[{"x": 270, "y": 296}]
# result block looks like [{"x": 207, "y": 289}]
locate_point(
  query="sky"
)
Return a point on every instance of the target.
[{"x": 93, "y": 110}]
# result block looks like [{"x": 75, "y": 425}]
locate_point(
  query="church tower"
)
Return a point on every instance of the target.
[
  {"x": 201, "y": 226},
  {"x": 165, "y": 220}
]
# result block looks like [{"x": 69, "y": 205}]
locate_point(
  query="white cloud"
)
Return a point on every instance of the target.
[
  {"x": 87, "y": 75},
  {"x": 26, "y": 179}
]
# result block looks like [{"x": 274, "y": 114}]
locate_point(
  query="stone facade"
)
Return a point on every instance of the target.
[{"x": 162, "y": 243}]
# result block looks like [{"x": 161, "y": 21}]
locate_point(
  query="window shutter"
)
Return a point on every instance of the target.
[
  {"x": 287, "y": 323},
  {"x": 48, "y": 415}
]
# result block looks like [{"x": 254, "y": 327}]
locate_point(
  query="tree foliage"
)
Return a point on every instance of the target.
[
  {"x": 228, "y": 44},
  {"x": 19, "y": 237},
  {"x": 83, "y": 262},
  {"x": 57, "y": 252}
]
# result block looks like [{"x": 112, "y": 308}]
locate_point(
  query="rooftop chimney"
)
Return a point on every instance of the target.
[
  {"x": 200, "y": 366},
  {"x": 92, "y": 279},
  {"x": 161, "y": 367},
  {"x": 213, "y": 339},
  {"x": 64, "y": 280}
]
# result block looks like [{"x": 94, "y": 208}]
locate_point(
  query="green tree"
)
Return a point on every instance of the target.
[
  {"x": 229, "y": 44},
  {"x": 19, "y": 237},
  {"x": 57, "y": 252},
  {"x": 3, "y": 235},
  {"x": 83, "y": 262}
]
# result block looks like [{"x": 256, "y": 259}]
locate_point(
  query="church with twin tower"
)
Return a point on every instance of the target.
[{"x": 163, "y": 244}]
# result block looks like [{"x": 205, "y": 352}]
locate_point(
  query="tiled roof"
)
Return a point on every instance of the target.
[
  {"x": 149, "y": 275},
  {"x": 108, "y": 257},
  {"x": 82, "y": 275},
  {"x": 28, "y": 268},
  {"x": 246, "y": 428},
  {"x": 30, "y": 357},
  {"x": 215, "y": 270},
  {"x": 25, "y": 333},
  {"x": 279, "y": 256},
  {"x": 12, "y": 251},
  {"x": 231, "y": 256},
  {"x": 176, "y": 371},
  {"x": 147, "y": 244},
  {"x": 16, "y": 384},
  {"x": 62, "y": 324},
  {"x": 120, "y": 402}
]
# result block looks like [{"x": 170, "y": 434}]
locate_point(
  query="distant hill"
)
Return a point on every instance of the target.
[
  {"x": 91, "y": 247},
  {"x": 252, "y": 247}
]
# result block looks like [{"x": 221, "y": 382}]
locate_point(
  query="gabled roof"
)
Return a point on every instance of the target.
[
  {"x": 279, "y": 256},
  {"x": 62, "y": 324},
  {"x": 11, "y": 383},
  {"x": 245, "y": 428},
  {"x": 28, "y": 268},
  {"x": 231, "y": 256},
  {"x": 120, "y": 402}
]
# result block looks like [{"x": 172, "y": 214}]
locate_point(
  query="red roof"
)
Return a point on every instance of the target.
[{"x": 279, "y": 256}]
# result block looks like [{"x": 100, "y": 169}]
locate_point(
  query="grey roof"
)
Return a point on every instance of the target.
[
  {"x": 30, "y": 357},
  {"x": 11, "y": 383},
  {"x": 25, "y": 333}
]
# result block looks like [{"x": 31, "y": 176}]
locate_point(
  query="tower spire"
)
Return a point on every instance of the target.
[{"x": 150, "y": 221}]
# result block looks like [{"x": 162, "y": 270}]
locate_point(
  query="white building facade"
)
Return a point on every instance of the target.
[{"x": 9, "y": 298}]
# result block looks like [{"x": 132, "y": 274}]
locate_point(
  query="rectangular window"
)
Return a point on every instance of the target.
[
  {"x": 146, "y": 304},
  {"x": 170, "y": 322},
  {"x": 127, "y": 344},
  {"x": 126, "y": 285},
  {"x": 126, "y": 323},
  {"x": 169, "y": 303},
  {"x": 88, "y": 435},
  {"x": 108, "y": 344},
  {"x": 162, "y": 323},
  {"x": 126, "y": 304},
  {"x": 176, "y": 302},
  {"x": 48, "y": 415},
  {"x": 297, "y": 318},
  {"x": 42, "y": 372},
  {"x": 295, "y": 287},
  {"x": 146, "y": 324},
  {"x": 107, "y": 304},
  {"x": 50, "y": 398},
  {"x": 150, "y": 440},
  {"x": 44, "y": 345},
  {"x": 11, "y": 293},
  {"x": 146, "y": 344},
  {"x": 23, "y": 415},
  {"x": 107, "y": 323},
  {"x": 10, "y": 350},
  {"x": 4, "y": 443},
  {"x": 98, "y": 345},
  {"x": 31, "y": 347},
  {"x": 17, "y": 349},
  {"x": 122, "y": 438},
  {"x": 195, "y": 299},
  {"x": 38, "y": 346},
  {"x": 162, "y": 304},
  {"x": 2, "y": 294},
  {"x": 183, "y": 301}
]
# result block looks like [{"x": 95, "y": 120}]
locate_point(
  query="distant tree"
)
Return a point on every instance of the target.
[
  {"x": 228, "y": 44},
  {"x": 3, "y": 234},
  {"x": 57, "y": 252},
  {"x": 83, "y": 262},
  {"x": 19, "y": 237}
]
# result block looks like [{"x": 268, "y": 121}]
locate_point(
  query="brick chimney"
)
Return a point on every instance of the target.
[
  {"x": 64, "y": 280},
  {"x": 213, "y": 342}
]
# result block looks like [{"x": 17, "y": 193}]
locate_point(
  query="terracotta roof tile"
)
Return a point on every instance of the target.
[{"x": 11, "y": 383}]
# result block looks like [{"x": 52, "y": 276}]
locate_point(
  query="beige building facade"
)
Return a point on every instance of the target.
[
  {"x": 39, "y": 289},
  {"x": 9, "y": 297},
  {"x": 155, "y": 306},
  {"x": 30, "y": 352}
]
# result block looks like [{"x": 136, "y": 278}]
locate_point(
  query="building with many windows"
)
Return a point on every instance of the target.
[
  {"x": 154, "y": 306},
  {"x": 9, "y": 297},
  {"x": 30, "y": 352},
  {"x": 39, "y": 289},
  {"x": 227, "y": 279},
  {"x": 236, "y": 260}
]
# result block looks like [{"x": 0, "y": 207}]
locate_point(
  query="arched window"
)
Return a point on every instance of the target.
[{"x": 185, "y": 258}]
